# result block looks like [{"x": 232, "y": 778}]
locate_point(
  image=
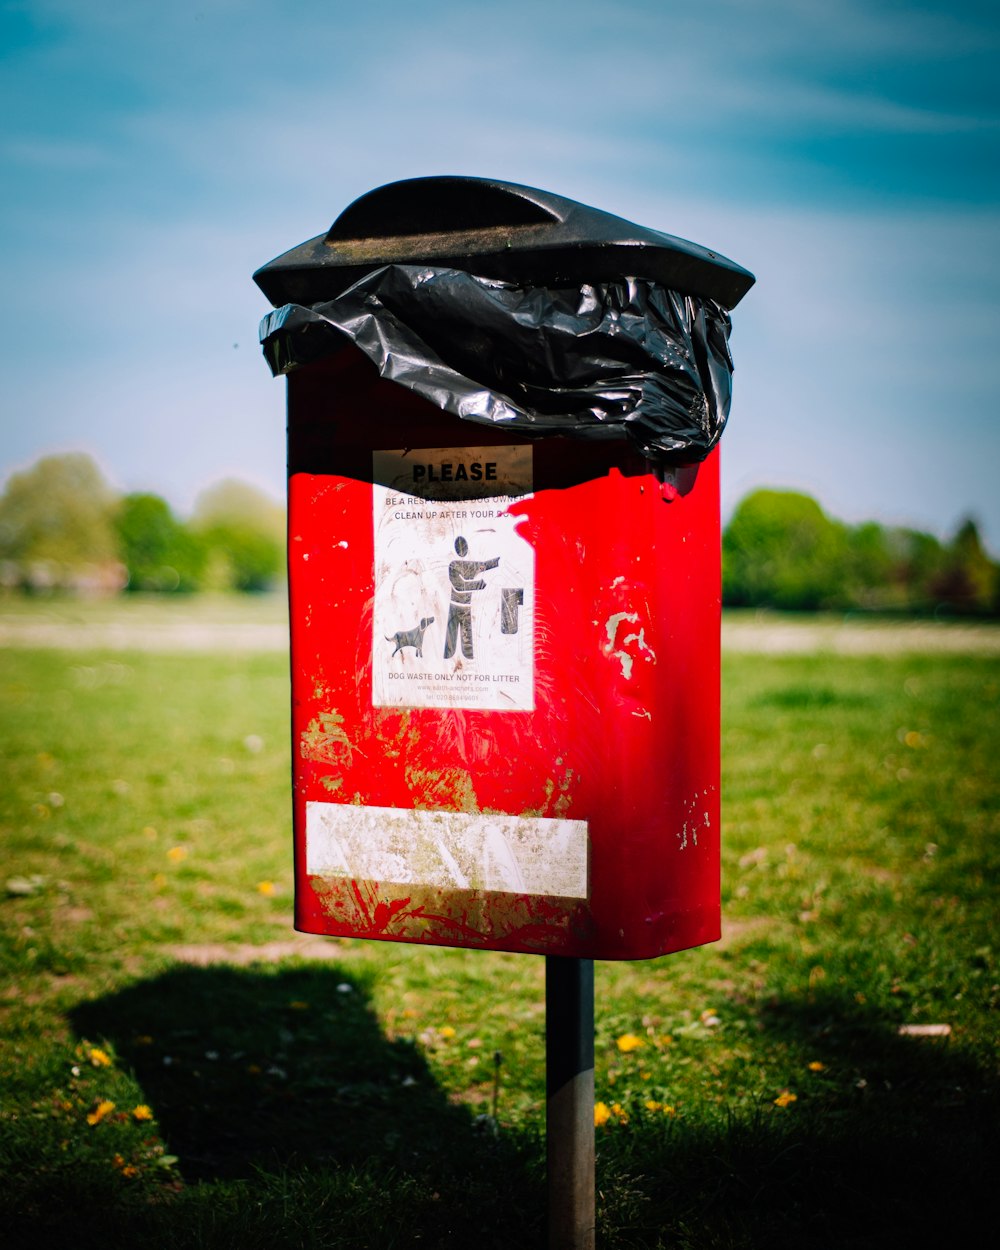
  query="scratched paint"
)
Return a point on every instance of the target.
[
  {"x": 473, "y": 918},
  {"x": 632, "y": 645},
  {"x": 325, "y": 739},
  {"x": 445, "y": 787},
  {"x": 695, "y": 821}
]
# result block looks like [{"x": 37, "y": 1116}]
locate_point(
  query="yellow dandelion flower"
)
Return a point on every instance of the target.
[
  {"x": 785, "y": 1098},
  {"x": 628, "y": 1042},
  {"x": 100, "y": 1112},
  {"x": 118, "y": 1161},
  {"x": 299, "y": 1004},
  {"x": 266, "y": 888},
  {"x": 130, "y": 1170},
  {"x": 653, "y": 1105},
  {"x": 447, "y": 1031},
  {"x": 668, "y": 1110},
  {"x": 816, "y": 1066},
  {"x": 99, "y": 1058},
  {"x": 142, "y": 1112},
  {"x": 176, "y": 854},
  {"x": 618, "y": 1110},
  {"x": 602, "y": 1114}
]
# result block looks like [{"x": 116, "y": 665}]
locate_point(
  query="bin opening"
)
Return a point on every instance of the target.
[{"x": 429, "y": 206}]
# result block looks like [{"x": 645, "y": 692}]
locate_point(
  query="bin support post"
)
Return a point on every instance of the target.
[{"x": 569, "y": 1090}]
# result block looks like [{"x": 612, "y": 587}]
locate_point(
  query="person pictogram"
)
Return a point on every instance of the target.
[{"x": 465, "y": 577}]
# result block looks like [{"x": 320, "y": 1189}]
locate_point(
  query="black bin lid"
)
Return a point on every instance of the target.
[{"x": 496, "y": 230}]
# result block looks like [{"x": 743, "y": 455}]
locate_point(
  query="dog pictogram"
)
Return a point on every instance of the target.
[{"x": 411, "y": 637}]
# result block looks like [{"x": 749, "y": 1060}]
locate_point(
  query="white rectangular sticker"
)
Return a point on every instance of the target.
[
  {"x": 453, "y": 622},
  {"x": 448, "y": 850}
]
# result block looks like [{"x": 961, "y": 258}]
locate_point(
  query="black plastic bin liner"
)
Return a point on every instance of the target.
[{"x": 599, "y": 360}]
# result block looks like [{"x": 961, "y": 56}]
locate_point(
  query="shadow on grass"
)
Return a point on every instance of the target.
[
  {"x": 248, "y": 1068},
  {"x": 894, "y": 1144},
  {"x": 284, "y": 1100},
  {"x": 298, "y": 1123}
]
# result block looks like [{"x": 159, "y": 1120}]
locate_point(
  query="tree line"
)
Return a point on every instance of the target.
[
  {"x": 781, "y": 550},
  {"x": 62, "y": 527}
]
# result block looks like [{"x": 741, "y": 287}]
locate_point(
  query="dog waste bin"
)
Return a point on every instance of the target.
[{"x": 503, "y": 553}]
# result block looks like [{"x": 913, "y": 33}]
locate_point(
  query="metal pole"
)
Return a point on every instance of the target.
[{"x": 569, "y": 1089}]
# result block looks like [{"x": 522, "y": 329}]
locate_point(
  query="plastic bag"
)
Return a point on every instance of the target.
[{"x": 600, "y": 360}]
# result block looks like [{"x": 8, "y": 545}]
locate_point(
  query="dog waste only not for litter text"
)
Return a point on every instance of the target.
[{"x": 453, "y": 622}]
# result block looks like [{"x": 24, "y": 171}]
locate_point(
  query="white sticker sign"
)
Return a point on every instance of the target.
[
  {"x": 448, "y": 850},
  {"x": 453, "y": 621}
]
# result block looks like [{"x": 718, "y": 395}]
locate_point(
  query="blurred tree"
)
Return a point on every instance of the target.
[
  {"x": 233, "y": 501},
  {"x": 871, "y": 568},
  {"x": 240, "y": 558},
  {"x": 243, "y": 531},
  {"x": 159, "y": 552},
  {"x": 56, "y": 522},
  {"x": 781, "y": 550},
  {"x": 916, "y": 560},
  {"x": 968, "y": 579}
]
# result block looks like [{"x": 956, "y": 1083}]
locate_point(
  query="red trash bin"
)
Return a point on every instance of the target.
[{"x": 505, "y": 673}]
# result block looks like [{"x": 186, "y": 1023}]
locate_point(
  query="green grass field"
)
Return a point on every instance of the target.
[{"x": 161, "y": 1087}]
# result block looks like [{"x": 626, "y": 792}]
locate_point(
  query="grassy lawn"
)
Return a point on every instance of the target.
[
  {"x": 150, "y": 609},
  {"x": 162, "y": 1087}
]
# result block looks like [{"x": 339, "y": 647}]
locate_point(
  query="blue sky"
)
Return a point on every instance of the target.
[{"x": 848, "y": 152}]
